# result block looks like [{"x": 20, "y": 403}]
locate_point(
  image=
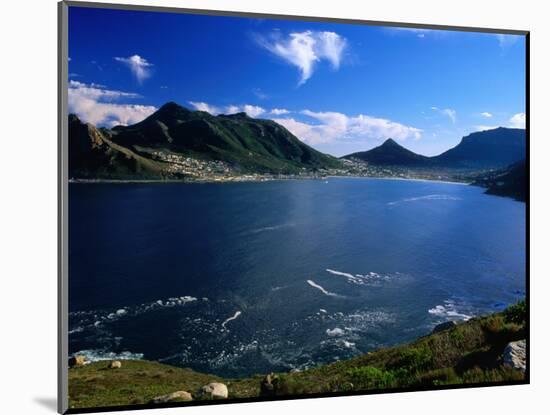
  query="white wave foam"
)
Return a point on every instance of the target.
[
  {"x": 427, "y": 197},
  {"x": 335, "y": 332},
  {"x": 313, "y": 284},
  {"x": 450, "y": 311},
  {"x": 371, "y": 278},
  {"x": 101, "y": 355},
  {"x": 96, "y": 318},
  {"x": 237, "y": 314}
]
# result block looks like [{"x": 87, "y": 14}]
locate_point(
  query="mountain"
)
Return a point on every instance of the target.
[
  {"x": 247, "y": 144},
  {"x": 92, "y": 155},
  {"x": 390, "y": 154},
  {"x": 495, "y": 148},
  {"x": 488, "y": 149},
  {"x": 511, "y": 181}
]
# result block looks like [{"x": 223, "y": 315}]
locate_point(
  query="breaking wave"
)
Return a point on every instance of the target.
[
  {"x": 450, "y": 310},
  {"x": 428, "y": 197},
  {"x": 314, "y": 285}
]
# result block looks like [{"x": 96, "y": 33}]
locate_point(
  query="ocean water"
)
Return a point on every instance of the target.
[{"x": 242, "y": 278}]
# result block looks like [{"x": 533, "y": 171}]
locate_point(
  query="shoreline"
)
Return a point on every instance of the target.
[{"x": 255, "y": 180}]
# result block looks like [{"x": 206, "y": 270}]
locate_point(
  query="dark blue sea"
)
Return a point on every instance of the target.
[{"x": 242, "y": 278}]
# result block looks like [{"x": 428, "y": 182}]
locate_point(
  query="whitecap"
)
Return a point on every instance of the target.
[
  {"x": 450, "y": 310},
  {"x": 335, "y": 332},
  {"x": 313, "y": 284},
  {"x": 427, "y": 197},
  {"x": 237, "y": 314}
]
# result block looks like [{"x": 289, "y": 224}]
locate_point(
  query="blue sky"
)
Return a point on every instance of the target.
[{"x": 340, "y": 88}]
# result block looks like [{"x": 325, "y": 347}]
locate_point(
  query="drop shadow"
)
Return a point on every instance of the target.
[{"x": 48, "y": 403}]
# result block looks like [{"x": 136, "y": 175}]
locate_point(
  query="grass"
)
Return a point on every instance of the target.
[{"x": 468, "y": 353}]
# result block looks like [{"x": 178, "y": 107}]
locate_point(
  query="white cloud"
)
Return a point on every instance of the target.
[
  {"x": 333, "y": 126},
  {"x": 517, "y": 120},
  {"x": 486, "y": 114},
  {"x": 95, "y": 104},
  {"x": 304, "y": 49},
  {"x": 138, "y": 65},
  {"x": 203, "y": 106},
  {"x": 507, "y": 40},
  {"x": 451, "y": 113},
  {"x": 252, "y": 110},
  {"x": 279, "y": 111},
  {"x": 485, "y": 127}
]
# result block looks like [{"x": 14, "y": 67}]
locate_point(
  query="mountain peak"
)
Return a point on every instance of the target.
[
  {"x": 390, "y": 142},
  {"x": 172, "y": 107}
]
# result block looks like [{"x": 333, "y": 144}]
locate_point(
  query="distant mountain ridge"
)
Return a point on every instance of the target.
[
  {"x": 390, "y": 154},
  {"x": 495, "y": 148}
]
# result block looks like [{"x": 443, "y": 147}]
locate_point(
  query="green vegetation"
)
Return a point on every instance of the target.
[{"x": 469, "y": 353}]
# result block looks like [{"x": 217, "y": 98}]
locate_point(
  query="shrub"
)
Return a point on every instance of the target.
[
  {"x": 516, "y": 313},
  {"x": 369, "y": 377}
]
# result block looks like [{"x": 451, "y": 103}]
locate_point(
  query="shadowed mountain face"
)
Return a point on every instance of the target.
[
  {"x": 480, "y": 150},
  {"x": 390, "y": 154},
  {"x": 92, "y": 155},
  {"x": 486, "y": 149},
  {"x": 511, "y": 181},
  {"x": 246, "y": 143}
]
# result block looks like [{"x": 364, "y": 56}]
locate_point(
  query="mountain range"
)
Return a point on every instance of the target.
[
  {"x": 175, "y": 142},
  {"x": 488, "y": 149},
  {"x": 245, "y": 144}
]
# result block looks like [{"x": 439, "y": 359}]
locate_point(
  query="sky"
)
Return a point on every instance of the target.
[{"x": 338, "y": 87}]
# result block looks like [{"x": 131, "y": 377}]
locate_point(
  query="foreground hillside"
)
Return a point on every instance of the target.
[{"x": 468, "y": 353}]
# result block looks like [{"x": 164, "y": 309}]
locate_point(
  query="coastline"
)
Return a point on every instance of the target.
[
  {"x": 241, "y": 179},
  {"x": 470, "y": 353}
]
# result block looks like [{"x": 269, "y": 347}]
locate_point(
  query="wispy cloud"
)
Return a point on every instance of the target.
[
  {"x": 486, "y": 114},
  {"x": 259, "y": 93},
  {"x": 517, "y": 120},
  {"x": 505, "y": 41},
  {"x": 304, "y": 49},
  {"x": 279, "y": 111},
  {"x": 448, "y": 112},
  {"x": 139, "y": 66},
  {"x": 251, "y": 110},
  {"x": 323, "y": 127},
  {"x": 98, "y": 105},
  {"x": 485, "y": 127},
  {"x": 332, "y": 126}
]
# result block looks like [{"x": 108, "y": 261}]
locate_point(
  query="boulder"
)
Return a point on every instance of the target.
[
  {"x": 77, "y": 361},
  {"x": 514, "y": 355},
  {"x": 269, "y": 385},
  {"x": 179, "y": 396},
  {"x": 115, "y": 364},
  {"x": 444, "y": 326},
  {"x": 213, "y": 390}
]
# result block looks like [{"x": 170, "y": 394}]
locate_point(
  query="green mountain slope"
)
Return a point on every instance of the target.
[{"x": 247, "y": 144}]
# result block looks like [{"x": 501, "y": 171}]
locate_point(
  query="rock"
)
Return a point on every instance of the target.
[
  {"x": 269, "y": 385},
  {"x": 115, "y": 364},
  {"x": 214, "y": 390},
  {"x": 77, "y": 361},
  {"x": 514, "y": 355},
  {"x": 179, "y": 396},
  {"x": 444, "y": 326}
]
